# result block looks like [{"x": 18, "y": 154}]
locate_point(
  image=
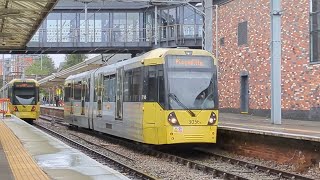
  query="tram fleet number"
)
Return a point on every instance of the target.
[{"x": 194, "y": 122}]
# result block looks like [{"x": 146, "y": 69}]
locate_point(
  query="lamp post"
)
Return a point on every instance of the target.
[
  {"x": 41, "y": 62},
  {"x": 205, "y": 45},
  {"x": 3, "y": 74},
  {"x": 156, "y": 25}
]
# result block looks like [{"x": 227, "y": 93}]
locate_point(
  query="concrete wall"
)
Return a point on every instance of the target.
[{"x": 300, "y": 79}]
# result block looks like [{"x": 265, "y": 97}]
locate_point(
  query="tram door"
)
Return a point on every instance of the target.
[
  {"x": 71, "y": 103},
  {"x": 244, "y": 95},
  {"x": 119, "y": 95},
  {"x": 90, "y": 98}
]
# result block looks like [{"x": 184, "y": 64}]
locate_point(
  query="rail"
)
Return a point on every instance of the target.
[
  {"x": 279, "y": 173},
  {"x": 98, "y": 156},
  {"x": 118, "y": 34},
  {"x": 215, "y": 172},
  {"x": 191, "y": 164}
]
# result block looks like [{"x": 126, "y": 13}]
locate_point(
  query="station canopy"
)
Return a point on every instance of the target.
[
  {"x": 57, "y": 79},
  {"x": 20, "y": 19}
]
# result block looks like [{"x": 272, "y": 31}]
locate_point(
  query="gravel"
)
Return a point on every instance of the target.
[
  {"x": 165, "y": 169},
  {"x": 160, "y": 168},
  {"x": 313, "y": 172}
]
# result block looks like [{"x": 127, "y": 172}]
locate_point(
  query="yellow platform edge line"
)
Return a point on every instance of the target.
[{"x": 21, "y": 163}]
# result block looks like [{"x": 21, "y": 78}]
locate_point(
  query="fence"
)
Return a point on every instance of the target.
[{"x": 4, "y": 105}]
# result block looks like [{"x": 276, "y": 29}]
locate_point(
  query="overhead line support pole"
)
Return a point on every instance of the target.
[
  {"x": 3, "y": 74},
  {"x": 217, "y": 40},
  {"x": 86, "y": 20},
  {"x": 155, "y": 25},
  {"x": 276, "y": 61},
  {"x": 41, "y": 62}
]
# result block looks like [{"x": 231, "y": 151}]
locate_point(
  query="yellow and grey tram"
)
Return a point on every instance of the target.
[
  {"x": 24, "y": 98},
  {"x": 166, "y": 96}
]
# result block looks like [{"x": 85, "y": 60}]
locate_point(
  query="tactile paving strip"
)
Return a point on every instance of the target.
[{"x": 21, "y": 163}]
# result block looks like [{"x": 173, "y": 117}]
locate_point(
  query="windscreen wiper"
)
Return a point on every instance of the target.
[{"x": 175, "y": 98}]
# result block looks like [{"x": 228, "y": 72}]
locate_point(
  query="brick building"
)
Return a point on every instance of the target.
[
  {"x": 15, "y": 64},
  {"x": 244, "y": 57}
]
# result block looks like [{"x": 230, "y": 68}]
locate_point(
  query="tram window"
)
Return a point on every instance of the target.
[
  {"x": 83, "y": 90},
  {"x": 127, "y": 84},
  {"x": 152, "y": 94},
  {"x": 112, "y": 88},
  {"x": 161, "y": 86},
  {"x": 136, "y": 89},
  {"x": 77, "y": 92},
  {"x": 96, "y": 91},
  {"x": 9, "y": 92},
  {"x": 109, "y": 84},
  {"x": 37, "y": 94},
  {"x": 87, "y": 93},
  {"x": 105, "y": 94},
  {"x": 67, "y": 91},
  {"x": 87, "y": 98},
  {"x": 94, "y": 95},
  {"x": 132, "y": 85}
]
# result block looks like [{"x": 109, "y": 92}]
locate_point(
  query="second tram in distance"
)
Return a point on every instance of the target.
[
  {"x": 165, "y": 96},
  {"x": 24, "y": 98}
]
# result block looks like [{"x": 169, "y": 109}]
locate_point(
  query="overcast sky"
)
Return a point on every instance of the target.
[{"x": 58, "y": 58}]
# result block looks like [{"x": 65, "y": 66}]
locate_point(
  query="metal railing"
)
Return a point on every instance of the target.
[
  {"x": 4, "y": 107},
  {"x": 115, "y": 35}
]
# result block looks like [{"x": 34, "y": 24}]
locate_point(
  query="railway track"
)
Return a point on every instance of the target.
[
  {"x": 103, "y": 147},
  {"x": 208, "y": 156},
  {"x": 149, "y": 151},
  {"x": 276, "y": 172},
  {"x": 216, "y": 172},
  {"x": 129, "y": 171}
]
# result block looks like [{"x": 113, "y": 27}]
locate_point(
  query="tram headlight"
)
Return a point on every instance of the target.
[
  {"x": 172, "y": 118},
  {"x": 213, "y": 118}
]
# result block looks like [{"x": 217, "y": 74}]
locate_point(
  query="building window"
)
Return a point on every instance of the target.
[
  {"x": 315, "y": 31},
  {"x": 242, "y": 33},
  {"x": 222, "y": 41}
]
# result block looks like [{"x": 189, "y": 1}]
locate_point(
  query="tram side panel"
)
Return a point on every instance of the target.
[
  {"x": 132, "y": 121},
  {"x": 75, "y": 103},
  {"x": 153, "y": 124},
  {"x": 106, "y": 123}
]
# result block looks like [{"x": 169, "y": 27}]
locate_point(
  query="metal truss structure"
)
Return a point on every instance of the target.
[{"x": 20, "y": 19}]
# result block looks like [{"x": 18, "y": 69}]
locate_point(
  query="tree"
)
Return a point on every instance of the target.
[
  {"x": 47, "y": 67},
  {"x": 73, "y": 59}
]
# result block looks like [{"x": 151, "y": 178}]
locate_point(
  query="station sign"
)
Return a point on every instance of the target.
[
  {"x": 189, "y": 62},
  {"x": 24, "y": 85}
]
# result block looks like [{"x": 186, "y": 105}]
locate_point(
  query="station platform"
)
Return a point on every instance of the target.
[
  {"x": 29, "y": 153},
  {"x": 51, "y": 107},
  {"x": 295, "y": 129}
]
